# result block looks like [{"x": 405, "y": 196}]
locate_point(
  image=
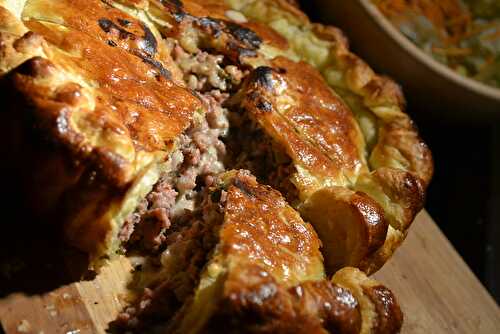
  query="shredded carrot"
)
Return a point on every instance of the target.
[
  {"x": 454, "y": 27},
  {"x": 448, "y": 16}
]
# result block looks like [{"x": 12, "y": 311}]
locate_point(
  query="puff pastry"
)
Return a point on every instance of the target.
[
  {"x": 130, "y": 110},
  {"x": 110, "y": 95},
  {"x": 263, "y": 274}
]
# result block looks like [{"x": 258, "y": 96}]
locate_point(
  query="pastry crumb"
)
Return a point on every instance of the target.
[{"x": 24, "y": 326}]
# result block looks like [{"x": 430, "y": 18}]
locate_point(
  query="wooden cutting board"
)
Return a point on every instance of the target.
[{"x": 437, "y": 292}]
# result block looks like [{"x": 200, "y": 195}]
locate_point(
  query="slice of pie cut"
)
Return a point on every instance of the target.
[{"x": 249, "y": 264}]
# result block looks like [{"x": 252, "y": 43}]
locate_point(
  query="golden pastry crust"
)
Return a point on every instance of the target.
[
  {"x": 293, "y": 104},
  {"x": 380, "y": 312},
  {"x": 101, "y": 106},
  {"x": 304, "y": 118},
  {"x": 253, "y": 302},
  {"x": 261, "y": 228},
  {"x": 247, "y": 283},
  {"x": 109, "y": 101},
  {"x": 258, "y": 229},
  {"x": 394, "y": 164},
  {"x": 99, "y": 101}
]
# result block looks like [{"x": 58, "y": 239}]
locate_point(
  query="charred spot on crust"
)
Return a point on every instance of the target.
[
  {"x": 243, "y": 52},
  {"x": 244, "y": 35},
  {"x": 156, "y": 64},
  {"x": 243, "y": 187},
  {"x": 146, "y": 48},
  {"x": 243, "y": 40},
  {"x": 177, "y": 3},
  {"x": 211, "y": 24},
  {"x": 179, "y": 16},
  {"x": 263, "y": 76},
  {"x": 265, "y": 106},
  {"x": 124, "y": 22},
  {"x": 150, "y": 43},
  {"x": 176, "y": 7},
  {"x": 230, "y": 39},
  {"x": 107, "y": 25}
]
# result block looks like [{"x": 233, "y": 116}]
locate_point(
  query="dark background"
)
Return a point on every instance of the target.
[{"x": 464, "y": 196}]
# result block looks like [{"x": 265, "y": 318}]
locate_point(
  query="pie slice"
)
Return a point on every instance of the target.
[{"x": 249, "y": 264}]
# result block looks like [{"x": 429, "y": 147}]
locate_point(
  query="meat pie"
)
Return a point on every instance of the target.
[
  {"x": 127, "y": 123},
  {"x": 249, "y": 264}
]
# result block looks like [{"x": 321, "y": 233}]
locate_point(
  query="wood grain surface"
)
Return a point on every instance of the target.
[{"x": 437, "y": 292}]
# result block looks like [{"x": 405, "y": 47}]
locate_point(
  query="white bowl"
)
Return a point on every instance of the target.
[{"x": 436, "y": 91}]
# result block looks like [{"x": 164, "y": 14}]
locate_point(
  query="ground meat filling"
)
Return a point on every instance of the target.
[
  {"x": 199, "y": 157},
  {"x": 203, "y": 71},
  {"x": 151, "y": 218},
  {"x": 251, "y": 149},
  {"x": 177, "y": 221},
  {"x": 177, "y": 270}
]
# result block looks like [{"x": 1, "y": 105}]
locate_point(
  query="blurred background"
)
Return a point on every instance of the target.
[{"x": 464, "y": 136}]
